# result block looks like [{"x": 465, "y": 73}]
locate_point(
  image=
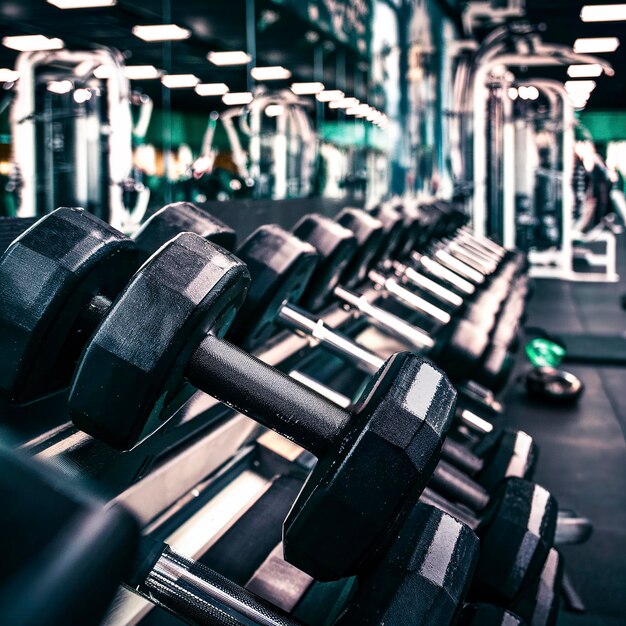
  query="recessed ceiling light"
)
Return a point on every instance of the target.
[
  {"x": 211, "y": 89},
  {"x": 104, "y": 71},
  {"x": 603, "y": 13},
  {"x": 82, "y": 4},
  {"x": 589, "y": 45},
  {"x": 32, "y": 43},
  {"x": 141, "y": 72},
  {"x": 580, "y": 86},
  {"x": 161, "y": 32},
  {"x": 7, "y": 75},
  {"x": 236, "y": 98},
  {"x": 589, "y": 70},
  {"x": 328, "y": 95},
  {"x": 234, "y": 57},
  {"x": 60, "y": 86},
  {"x": 274, "y": 110},
  {"x": 343, "y": 103},
  {"x": 179, "y": 81},
  {"x": 272, "y": 72},
  {"x": 303, "y": 89}
]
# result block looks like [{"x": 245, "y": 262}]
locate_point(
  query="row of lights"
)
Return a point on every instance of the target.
[
  {"x": 580, "y": 90},
  {"x": 172, "y": 32}
]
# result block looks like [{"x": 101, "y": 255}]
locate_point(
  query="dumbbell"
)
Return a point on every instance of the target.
[
  {"x": 41, "y": 336},
  {"x": 281, "y": 266},
  {"x": 517, "y": 535},
  {"x": 63, "y": 551}
]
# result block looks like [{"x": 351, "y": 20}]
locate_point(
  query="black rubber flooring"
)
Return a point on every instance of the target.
[{"x": 583, "y": 448}]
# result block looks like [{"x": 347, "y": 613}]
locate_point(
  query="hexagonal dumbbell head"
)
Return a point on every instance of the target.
[
  {"x": 517, "y": 535},
  {"x": 422, "y": 579},
  {"x": 335, "y": 246},
  {"x": 393, "y": 226},
  {"x": 369, "y": 234},
  {"x": 539, "y": 606},
  {"x": 280, "y": 266},
  {"x": 184, "y": 291},
  {"x": 376, "y": 473},
  {"x": 48, "y": 277},
  {"x": 180, "y": 217}
]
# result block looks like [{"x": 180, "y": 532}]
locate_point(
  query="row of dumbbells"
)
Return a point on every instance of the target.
[{"x": 74, "y": 312}]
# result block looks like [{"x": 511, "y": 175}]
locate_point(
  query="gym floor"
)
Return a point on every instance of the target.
[{"x": 583, "y": 448}]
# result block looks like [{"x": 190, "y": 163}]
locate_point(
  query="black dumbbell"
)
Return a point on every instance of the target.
[
  {"x": 517, "y": 534},
  {"x": 423, "y": 578},
  {"x": 63, "y": 551},
  {"x": 46, "y": 317}
]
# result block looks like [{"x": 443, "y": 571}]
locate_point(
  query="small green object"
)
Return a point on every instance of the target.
[{"x": 543, "y": 352}]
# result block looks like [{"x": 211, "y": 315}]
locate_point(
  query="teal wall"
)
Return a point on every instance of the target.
[{"x": 605, "y": 126}]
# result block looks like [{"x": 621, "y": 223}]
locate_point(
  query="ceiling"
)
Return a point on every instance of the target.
[
  {"x": 220, "y": 25},
  {"x": 563, "y": 25},
  {"x": 216, "y": 25}
]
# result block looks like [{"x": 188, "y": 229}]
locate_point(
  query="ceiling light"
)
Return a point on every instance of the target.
[
  {"x": 104, "y": 71},
  {"x": 589, "y": 70},
  {"x": 590, "y": 45},
  {"x": 59, "y": 86},
  {"x": 7, "y": 75},
  {"x": 161, "y": 32},
  {"x": 274, "y": 110},
  {"x": 179, "y": 81},
  {"x": 603, "y": 13},
  {"x": 373, "y": 115},
  {"x": 82, "y": 4},
  {"x": 241, "y": 97},
  {"x": 303, "y": 89},
  {"x": 513, "y": 93},
  {"x": 32, "y": 43},
  {"x": 343, "y": 103},
  {"x": 363, "y": 110},
  {"x": 235, "y": 57},
  {"x": 211, "y": 89},
  {"x": 141, "y": 72},
  {"x": 328, "y": 95},
  {"x": 532, "y": 93},
  {"x": 272, "y": 72},
  {"x": 352, "y": 110},
  {"x": 82, "y": 95},
  {"x": 580, "y": 86}
]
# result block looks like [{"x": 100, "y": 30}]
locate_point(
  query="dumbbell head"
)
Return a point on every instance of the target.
[
  {"x": 188, "y": 289},
  {"x": 409, "y": 237},
  {"x": 375, "y": 473},
  {"x": 63, "y": 551},
  {"x": 424, "y": 576},
  {"x": 280, "y": 265},
  {"x": 539, "y": 605},
  {"x": 393, "y": 226},
  {"x": 48, "y": 276},
  {"x": 369, "y": 234},
  {"x": 181, "y": 217},
  {"x": 517, "y": 533},
  {"x": 336, "y": 246}
]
